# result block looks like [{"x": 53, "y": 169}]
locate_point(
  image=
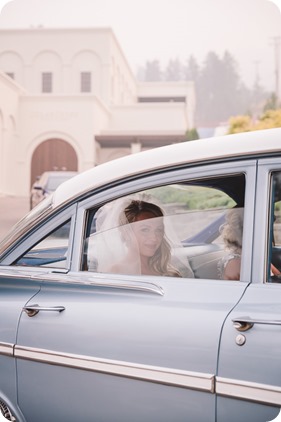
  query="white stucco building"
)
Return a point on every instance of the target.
[{"x": 68, "y": 98}]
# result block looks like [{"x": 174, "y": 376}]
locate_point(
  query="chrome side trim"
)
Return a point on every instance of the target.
[
  {"x": 155, "y": 374},
  {"x": 261, "y": 393},
  {"x": 112, "y": 281},
  {"x": 7, "y": 349},
  {"x": 226, "y": 387},
  {"x": 141, "y": 287}
]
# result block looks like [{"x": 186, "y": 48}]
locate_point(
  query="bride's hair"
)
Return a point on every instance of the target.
[
  {"x": 232, "y": 231},
  {"x": 161, "y": 260}
]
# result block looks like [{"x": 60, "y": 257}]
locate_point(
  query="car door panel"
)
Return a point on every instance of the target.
[
  {"x": 121, "y": 351},
  {"x": 249, "y": 357},
  {"x": 238, "y": 364},
  {"x": 15, "y": 292}
]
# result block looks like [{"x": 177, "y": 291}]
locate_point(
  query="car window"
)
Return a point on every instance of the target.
[
  {"x": 274, "y": 236},
  {"x": 50, "y": 252},
  {"x": 40, "y": 212},
  {"x": 173, "y": 230}
]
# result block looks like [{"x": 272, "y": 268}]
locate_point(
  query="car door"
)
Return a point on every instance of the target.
[
  {"x": 16, "y": 289},
  {"x": 249, "y": 371},
  {"x": 20, "y": 281},
  {"x": 103, "y": 346}
]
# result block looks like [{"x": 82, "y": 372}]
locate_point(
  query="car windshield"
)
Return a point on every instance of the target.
[{"x": 42, "y": 209}]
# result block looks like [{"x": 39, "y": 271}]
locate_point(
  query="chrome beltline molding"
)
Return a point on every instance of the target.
[
  {"x": 83, "y": 279},
  {"x": 261, "y": 393},
  {"x": 167, "y": 376},
  {"x": 227, "y": 387},
  {"x": 101, "y": 280}
]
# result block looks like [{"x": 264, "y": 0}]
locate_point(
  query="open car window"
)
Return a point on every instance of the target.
[
  {"x": 51, "y": 251},
  {"x": 191, "y": 214}
]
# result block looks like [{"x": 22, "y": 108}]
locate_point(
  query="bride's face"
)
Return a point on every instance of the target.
[{"x": 149, "y": 233}]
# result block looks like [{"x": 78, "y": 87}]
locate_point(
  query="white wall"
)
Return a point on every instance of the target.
[
  {"x": 149, "y": 117},
  {"x": 66, "y": 53},
  {"x": 9, "y": 134},
  {"x": 28, "y": 117}
]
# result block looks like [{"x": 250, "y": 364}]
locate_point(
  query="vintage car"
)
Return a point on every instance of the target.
[
  {"x": 46, "y": 184},
  {"x": 115, "y": 300}
]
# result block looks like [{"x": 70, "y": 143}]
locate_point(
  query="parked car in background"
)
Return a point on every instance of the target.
[
  {"x": 113, "y": 302},
  {"x": 46, "y": 184}
]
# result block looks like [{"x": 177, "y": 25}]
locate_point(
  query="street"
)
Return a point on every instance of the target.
[{"x": 12, "y": 209}]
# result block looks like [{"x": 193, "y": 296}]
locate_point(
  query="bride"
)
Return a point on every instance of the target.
[{"x": 131, "y": 239}]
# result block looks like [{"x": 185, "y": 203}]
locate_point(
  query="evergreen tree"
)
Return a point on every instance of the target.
[
  {"x": 152, "y": 71},
  {"x": 220, "y": 92},
  {"x": 271, "y": 103},
  {"x": 174, "y": 71},
  {"x": 208, "y": 91},
  {"x": 192, "y": 70}
]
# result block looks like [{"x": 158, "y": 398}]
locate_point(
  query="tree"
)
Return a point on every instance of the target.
[
  {"x": 191, "y": 71},
  {"x": 208, "y": 90},
  {"x": 174, "y": 71},
  {"x": 271, "y": 103},
  {"x": 192, "y": 134},
  {"x": 240, "y": 124},
  {"x": 270, "y": 119},
  {"x": 219, "y": 90},
  {"x": 152, "y": 71}
]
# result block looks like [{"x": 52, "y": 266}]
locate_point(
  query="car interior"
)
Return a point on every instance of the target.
[{"x": 196, "y": 210}]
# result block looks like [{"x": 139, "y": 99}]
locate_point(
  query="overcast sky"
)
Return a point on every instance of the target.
[{"x": 164, "y": 29}]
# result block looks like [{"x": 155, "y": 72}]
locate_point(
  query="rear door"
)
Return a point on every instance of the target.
[{"x": 249, "y": 372}]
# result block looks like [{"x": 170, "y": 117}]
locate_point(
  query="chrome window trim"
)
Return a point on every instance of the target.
[
  {"x": 62, "y": 276},
  {"x": 156, "y": 374},
  {"x": 103, "y": 280},
  {"x": 266, "y": 167},
  {"x": 200, "y": 171}
]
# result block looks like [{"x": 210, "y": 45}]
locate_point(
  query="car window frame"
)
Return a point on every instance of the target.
[
  {"x": 171, "y": 176},
  {"x": 37, "y": 233},
  {"x": 266, "y": 167}
]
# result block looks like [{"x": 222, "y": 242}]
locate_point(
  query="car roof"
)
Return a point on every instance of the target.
[{"x": 203, "y": 150}]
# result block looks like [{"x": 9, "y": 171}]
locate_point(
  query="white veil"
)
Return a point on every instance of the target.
[{"x": 113, "y": 247}]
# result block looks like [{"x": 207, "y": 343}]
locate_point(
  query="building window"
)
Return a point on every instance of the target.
[
  {"x": 162, "y": 99},
  {"x": 47, "y": 82},
  {"x": 86, "y": 79},
  {"x": 11, "y": 75}
]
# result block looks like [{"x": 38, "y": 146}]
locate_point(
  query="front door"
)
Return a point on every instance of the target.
[
  {"x": 111, "y": 343},
  {"x": 15, "y": 291},
  {"x": 122, "y": 349}
]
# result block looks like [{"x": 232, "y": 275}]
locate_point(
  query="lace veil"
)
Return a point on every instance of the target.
[{"x": 113, "y": 247}]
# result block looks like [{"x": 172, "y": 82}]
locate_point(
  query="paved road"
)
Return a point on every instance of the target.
[{"x": 12, "y": 209}]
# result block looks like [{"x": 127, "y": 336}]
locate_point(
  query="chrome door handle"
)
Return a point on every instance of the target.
[
  {"x": 245, "y": 323},
  {"x": 32, "y": 310}
]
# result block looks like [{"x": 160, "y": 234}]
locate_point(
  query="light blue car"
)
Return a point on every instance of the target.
[{"x": 149, "y": 289}]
